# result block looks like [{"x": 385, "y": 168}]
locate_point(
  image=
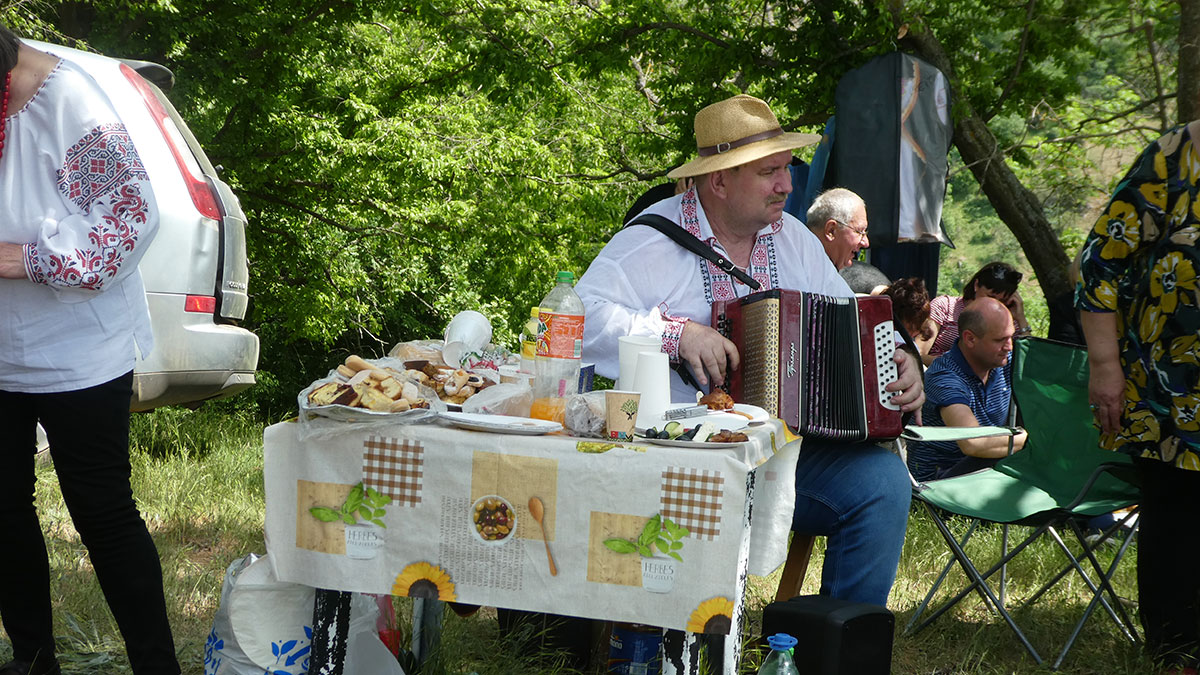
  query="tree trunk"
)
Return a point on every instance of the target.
[
  {"x": 1019, "y": 208},
  {"x": 1188, "y": 98}
]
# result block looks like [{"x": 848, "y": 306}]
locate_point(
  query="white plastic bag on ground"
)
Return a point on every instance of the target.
[{"x": 264, "y": 624}]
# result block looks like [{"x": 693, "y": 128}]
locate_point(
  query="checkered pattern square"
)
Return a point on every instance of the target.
[
  {"x": 692, "y": 498},
  {"x": 394, "y": 467}
]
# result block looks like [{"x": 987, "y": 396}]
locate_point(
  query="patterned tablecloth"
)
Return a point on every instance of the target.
[{"x": 390, "y": 508}]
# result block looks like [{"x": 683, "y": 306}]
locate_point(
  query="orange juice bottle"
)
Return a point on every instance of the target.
[{"x": 559, "y": 349}]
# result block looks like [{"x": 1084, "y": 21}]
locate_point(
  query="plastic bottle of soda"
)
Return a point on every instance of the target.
[
  {"x": 559, "y": 349},
  {"x": 529, "y": 336},
  {"x": 779, "y": 661}
]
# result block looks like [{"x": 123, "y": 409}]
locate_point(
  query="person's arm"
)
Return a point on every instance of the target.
[
  {"x": 960, "y": 415},
  {"x": 12, "y": 263},
  {"x": 1104, "y": 261},
  {"x": 925, "y": 344},
  {"x": 110, "y": 214},
  {"x": 1106, "y": 380},
  {"x": 1016, "y": 307}
]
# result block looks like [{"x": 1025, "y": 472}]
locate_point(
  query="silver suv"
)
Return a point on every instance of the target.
[{"x": 195, "y": 270}]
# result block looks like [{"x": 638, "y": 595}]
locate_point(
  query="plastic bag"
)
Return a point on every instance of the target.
[
  {"x": 583, "y": 414},
  {"x": 265, "y": 624},
  {"x": 505, "y": 398}
]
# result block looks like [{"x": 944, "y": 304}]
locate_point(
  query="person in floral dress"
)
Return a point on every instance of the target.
[{"x": 1140, "y": 313}]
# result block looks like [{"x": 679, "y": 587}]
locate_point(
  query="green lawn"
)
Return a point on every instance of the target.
[{"x": 198, "y": 476}]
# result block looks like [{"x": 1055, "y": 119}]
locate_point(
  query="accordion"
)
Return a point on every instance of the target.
[{"x": 817, "y": 362}]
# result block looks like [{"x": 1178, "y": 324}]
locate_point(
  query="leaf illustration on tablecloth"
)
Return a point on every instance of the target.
[
  {"x": 658, "y": 533},
  {"x": 361, "y": 502}
]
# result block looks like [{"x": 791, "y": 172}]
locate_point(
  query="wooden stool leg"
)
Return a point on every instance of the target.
[{"x": 796, "y": 566}]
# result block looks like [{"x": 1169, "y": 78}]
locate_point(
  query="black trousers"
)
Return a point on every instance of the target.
[
  {"x": 1168, "y": 587},
  {"x": 88, "y": 431}
]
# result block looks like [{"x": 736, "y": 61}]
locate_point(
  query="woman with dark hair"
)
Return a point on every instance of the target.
[
  {"x": 910, "y": 307},
  {"x": 997, "y": 280},
  {"x": 76, "y": 213}
]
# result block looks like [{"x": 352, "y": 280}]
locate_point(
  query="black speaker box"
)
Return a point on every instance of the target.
[{"x": 834, "y": 637}]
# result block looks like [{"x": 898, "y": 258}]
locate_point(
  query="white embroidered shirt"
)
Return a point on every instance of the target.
[
  {"x": 75, "y": 195},
  {"x": 643, "y": 283}
]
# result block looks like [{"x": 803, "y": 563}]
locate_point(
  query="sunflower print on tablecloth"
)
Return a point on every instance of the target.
[
  {"x": 424, "y": 580},
  {"x": 714, "y": 615},
  {"x": 1140, "y": 260}
]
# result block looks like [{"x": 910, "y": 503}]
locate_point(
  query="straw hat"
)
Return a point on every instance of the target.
[{"x": 738, "y": 131}]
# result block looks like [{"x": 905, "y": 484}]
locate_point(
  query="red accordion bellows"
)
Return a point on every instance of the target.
[{"x": 817, "y": 362}]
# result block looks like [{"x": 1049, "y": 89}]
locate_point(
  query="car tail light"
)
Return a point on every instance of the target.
[
  {"x": 200, "y": 303},
  {"x": 198, "y": 188}
]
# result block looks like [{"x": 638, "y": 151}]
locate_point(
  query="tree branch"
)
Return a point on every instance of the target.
[{"x": 1020, "y": 61}]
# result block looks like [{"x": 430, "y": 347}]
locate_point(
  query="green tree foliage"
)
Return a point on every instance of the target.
[{"x": 401, "y": 161}]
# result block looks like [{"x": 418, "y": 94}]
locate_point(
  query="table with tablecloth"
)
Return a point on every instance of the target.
[{"x": 390, "y": 508}]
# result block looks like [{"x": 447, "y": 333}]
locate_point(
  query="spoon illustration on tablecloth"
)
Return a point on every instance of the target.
[{"x": 538, "y": 511}]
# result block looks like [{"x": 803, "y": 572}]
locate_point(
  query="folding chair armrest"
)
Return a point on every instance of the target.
[{"x": 936, "y": 434}]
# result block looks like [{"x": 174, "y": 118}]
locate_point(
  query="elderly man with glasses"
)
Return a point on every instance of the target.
[{"x": 838, "y": 218}]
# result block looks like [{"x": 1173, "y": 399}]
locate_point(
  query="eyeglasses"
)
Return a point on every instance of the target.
[{"x": 862, "y": 234}]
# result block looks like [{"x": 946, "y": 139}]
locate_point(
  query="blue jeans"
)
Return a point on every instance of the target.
[{"x": 857, "y": 496}]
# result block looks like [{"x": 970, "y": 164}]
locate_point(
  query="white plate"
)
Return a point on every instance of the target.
[
  {"x": 345, "y": 413},
  {"x": 694, "y": 445},
  {"x": 719, "y": 419},
  {"x": 501, "y": 424}
]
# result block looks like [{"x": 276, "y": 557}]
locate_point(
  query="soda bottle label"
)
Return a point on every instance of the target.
[{"x": 562, "y": 337}]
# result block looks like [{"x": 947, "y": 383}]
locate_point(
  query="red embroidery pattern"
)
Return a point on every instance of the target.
[
  {"x": 671, "y": 332},
  {"x": 717, "y": 284},
  {"x": 101, "y": 170},
  {"x": 98, "y": 164}
]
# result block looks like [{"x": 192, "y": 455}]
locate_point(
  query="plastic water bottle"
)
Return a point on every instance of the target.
[
  {"x": 529, "y": 337},
  {"x": 559, "y": 349},
  {"x": 779, "y": 661}
]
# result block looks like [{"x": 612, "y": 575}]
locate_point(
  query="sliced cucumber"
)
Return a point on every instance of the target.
[{"x": 673, "y": 429}]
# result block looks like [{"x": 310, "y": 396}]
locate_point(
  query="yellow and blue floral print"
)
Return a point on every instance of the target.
[{"x": 1140, "y": 260}]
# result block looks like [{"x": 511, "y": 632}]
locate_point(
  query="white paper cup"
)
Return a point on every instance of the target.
[
  {"x": 652, "y": 379},
  {"x": 470, "y": 328},
  {"x": 628, "y": 348}
]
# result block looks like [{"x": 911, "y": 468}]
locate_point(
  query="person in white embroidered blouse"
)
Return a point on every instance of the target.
[
  {"x": 838, "y": 218},
  {"x": 76, "y": 214},
  {"x": 643, "y": 283}
]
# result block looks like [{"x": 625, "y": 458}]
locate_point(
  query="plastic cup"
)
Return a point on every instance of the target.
[
  {"x": 628, "y": 348},
  {"x": 620, "y": 414},
  {"x": 652, "y": 380},
  {"x": 470, "y": 328}
]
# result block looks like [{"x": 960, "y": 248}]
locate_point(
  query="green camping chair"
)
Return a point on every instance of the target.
[{"x": 1059, "y": 479}]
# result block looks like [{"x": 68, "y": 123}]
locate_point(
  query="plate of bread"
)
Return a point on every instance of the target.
[{"x": 370, "y": 390}]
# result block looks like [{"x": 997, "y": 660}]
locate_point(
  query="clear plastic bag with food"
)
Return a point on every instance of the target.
[
  {"x": 583, "y": 414},
  {"x": 501, "y": 399}
]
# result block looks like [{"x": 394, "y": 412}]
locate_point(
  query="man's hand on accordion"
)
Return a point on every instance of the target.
[
  {"x": 707, "y": 352},
  {"x": 908, "y": 383}
]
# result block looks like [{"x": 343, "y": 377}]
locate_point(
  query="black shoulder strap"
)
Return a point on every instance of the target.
[{"x": 686, "y": 240}]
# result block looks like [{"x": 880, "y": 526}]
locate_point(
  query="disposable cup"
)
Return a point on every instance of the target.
[
  {"x": 470, "y": 328},
  {"x": 620, "y": 414},
  {"x": 628, "y": 348},
  {"x": 652, "y": 379}
]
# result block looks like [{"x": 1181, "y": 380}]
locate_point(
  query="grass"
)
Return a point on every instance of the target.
[{"x": 198, "y": 477}]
